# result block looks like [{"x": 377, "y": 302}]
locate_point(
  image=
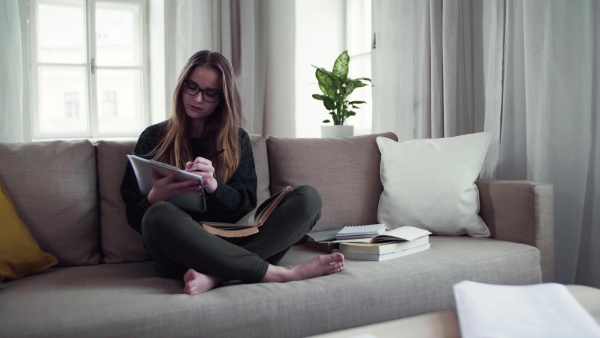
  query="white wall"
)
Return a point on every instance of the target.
[{"x": 320, "y": 38}]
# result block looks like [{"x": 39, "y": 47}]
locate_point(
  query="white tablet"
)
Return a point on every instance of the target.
[{"x": 190, "y": 201}]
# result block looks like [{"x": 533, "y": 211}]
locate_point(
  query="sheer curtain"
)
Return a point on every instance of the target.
[
  {"x": 550, "y": 121},
  {"x": 11, "y": 71},
  {"x": 422, "y": 68},
  {"x": 525, "y": 70},
  {"x": 256, "y": 36}
]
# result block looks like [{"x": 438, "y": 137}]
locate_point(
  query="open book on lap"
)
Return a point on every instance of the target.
[
  {"x": 190, "y": 201},
  {"x": 232, "y": 230}
]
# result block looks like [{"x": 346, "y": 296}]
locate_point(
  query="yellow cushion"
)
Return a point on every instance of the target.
[{"x": 20, "y": 253}]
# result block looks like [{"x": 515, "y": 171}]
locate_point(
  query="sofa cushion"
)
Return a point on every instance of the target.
[
  {"x": 345, "y": 171},
  {"x": 120, "y": 243},
  {"x": 430, "y": 184},
  {"x": 20, "y": 253},
  {"x": 261, "y": 162},
  {"x": 129, "y": 300},
  {"x": 53, "y": 187}
]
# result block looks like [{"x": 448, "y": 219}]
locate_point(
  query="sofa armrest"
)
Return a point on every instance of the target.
[{"x": 521, "y": 212}]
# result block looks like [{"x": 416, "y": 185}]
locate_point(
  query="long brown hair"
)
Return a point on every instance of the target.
[{"x": 222, "y": 126}]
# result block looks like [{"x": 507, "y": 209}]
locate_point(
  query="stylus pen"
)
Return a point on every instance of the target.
[{"x": 215, "y": 154}]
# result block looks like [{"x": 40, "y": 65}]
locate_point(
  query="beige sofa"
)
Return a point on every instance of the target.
[{"x": 67, "y": 193}]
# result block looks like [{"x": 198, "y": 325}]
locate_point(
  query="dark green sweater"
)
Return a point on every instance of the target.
[{"x": 231, "y": 201}]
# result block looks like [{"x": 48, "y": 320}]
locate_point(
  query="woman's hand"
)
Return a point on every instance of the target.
[
  {"x": 204, "y": 168},
  {"x": 164, "y": 187}
]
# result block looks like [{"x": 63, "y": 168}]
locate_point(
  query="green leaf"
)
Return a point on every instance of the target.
[
  {"x": 327, "y": 82},
  {"x": 318, "y": 97},
  {"x": 326, "y": 121},
  {"x": 340, "y": 67},
  {"x": 350, "y": 86},
  {"x": 353, "y": 84},
  {"x": 328, "y": 103},
  {"x": 356, "y": 102}
]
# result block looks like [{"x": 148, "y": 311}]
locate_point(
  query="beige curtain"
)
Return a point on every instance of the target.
[
  {"x": 422, "y": 68},
  {"x": 525, "y": 70},
  {"x": 257, "y": 36}
]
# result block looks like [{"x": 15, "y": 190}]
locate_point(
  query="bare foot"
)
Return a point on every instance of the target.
[
  {"x": 315, "y": 267},
  {"x": 196, "y": 283}
]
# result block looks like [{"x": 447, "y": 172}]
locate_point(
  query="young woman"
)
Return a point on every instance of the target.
[{"x": 206, "y": 118}]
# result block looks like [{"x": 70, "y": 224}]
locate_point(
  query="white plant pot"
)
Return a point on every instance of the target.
[{"x": 337, "y": 131}]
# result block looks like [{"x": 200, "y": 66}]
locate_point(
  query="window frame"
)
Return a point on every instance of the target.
[{"x": 91, "y": 103}]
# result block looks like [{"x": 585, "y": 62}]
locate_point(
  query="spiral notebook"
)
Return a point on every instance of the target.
[{"x": 360, "y": 231}]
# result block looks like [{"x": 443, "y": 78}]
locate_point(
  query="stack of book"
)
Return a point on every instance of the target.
[{"x": 385, "y": 245}]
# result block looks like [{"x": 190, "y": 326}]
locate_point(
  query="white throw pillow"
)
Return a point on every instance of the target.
[{"x": 430, "y": 184}]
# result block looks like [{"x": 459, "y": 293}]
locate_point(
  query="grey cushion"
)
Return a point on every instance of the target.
[
  {"x": 345, "y": 171},
  {"x": 53, "y": 187},
  {"x": 120, "y": 243},
  {"x": 261, "y": 162},
  {"x": 129, "y": 300}
]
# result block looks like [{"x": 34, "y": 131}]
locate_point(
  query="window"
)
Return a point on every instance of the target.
[
  {"x": 358, "y": 28},
  {"x": 71, "y": 105},
  {"x": 321, "y": 36},
  {"x": 109, "y": 105},
  {"x": 92, "y": 55}
]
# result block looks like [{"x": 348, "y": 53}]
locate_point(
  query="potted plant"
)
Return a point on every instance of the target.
[{"x": 336, "y": 86}]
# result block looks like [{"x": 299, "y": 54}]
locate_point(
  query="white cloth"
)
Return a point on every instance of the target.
[{"x": 529, "y": 311}]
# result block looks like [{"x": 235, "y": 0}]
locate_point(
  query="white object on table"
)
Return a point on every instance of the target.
[{"x": 538, "y": 310}]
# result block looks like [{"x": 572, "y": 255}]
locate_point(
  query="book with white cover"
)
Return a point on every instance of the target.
[
  {"x": 403, "y": 233},
  {"x": 385, "y": 257},
  {"x": 191, "y": 201},
  {"x": 381, "y": 248},
  {"x": 537, "y": 310}
]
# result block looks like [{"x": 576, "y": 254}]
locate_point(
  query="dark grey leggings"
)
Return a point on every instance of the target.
[{"x": 177, "y": 242}]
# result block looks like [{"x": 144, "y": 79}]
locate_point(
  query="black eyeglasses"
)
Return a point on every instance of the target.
[{"x": 210, "y": 95}]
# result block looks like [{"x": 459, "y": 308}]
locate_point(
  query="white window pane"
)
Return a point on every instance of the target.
[
  {"x": 359, "y": 26},
  {"x": 61, "y": 32},
  {"x": 120, "y": 101},
  {"x": 118, "y": 37},
  {"x": 63, "y": 100}
]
